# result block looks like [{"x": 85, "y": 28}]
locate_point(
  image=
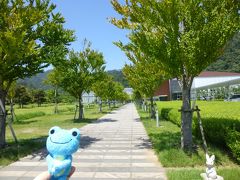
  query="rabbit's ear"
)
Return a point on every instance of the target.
[
  {"x": 207, "y": 156},
  {"x": 213, "y": 157}
]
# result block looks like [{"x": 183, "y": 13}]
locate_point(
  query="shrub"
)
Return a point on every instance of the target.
[
  {"x": 233, "y": 143},
  {"x": 164, "y": 113},
  {"x": 216, "y": 129},
  {"x": 29, "y": 115},
  {"x": 221, "y": 127},
  {"x": 67, "y": 109},
  {"x": 175, "y": 117}
]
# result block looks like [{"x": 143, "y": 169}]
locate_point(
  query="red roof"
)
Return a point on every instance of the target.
[{"x": 217, "y": 74}]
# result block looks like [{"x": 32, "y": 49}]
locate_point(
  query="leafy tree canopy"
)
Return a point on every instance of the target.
[
  {"x": 30, "y": 36},
  {"x": 80, "y": 71},
  {"x": 185, "y": 36}
]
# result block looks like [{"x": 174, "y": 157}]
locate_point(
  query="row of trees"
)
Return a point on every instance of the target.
[
  {"x": 110, "y": 91},
  {"x": 82, "y": 72},
  {"x": 178, "y": 38},
  {"x": 32, "y": 36},
  {"x": 22, "y": 95}
]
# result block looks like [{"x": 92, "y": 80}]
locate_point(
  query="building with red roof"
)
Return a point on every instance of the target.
[{"x": 207, "y": 80}]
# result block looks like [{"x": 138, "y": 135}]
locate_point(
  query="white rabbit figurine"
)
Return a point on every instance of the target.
[
  {"x": 210, "y": 170},
  {"x": 211, "y": 173}
]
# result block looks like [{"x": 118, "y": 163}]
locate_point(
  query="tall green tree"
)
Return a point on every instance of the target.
[
  {"x": 11, "y": 92},
  {"x": 22, "y": 96},
  {"x": 184, "y": 35},
  {"x": 144, "y": 74},
  {"x": 39, "y": 97},
  {"x": 145, "y": 78},
  {"x": 100, "y": 89},
  {"x": 110, "y": 93},
  {"x": 137, "y": 97},
  {"x": 80, "y": 71},
  {"x": 54, "y": 79},
  {"x": 118, "y": 93},
  {"x": 31, "y": 34},
  {"x": 109, "y": 90}
]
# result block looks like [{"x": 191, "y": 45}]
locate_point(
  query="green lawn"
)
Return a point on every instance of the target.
[
  {"x": 180, "y": 166},
  {"x": 229, "y": 173},
  {"x": 33, "y": 124},
  {"x": 209, "y": 109}
]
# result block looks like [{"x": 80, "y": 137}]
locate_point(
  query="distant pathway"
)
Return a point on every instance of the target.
[{"x": 114, "y": 147}]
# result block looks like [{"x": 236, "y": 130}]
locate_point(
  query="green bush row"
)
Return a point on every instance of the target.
[
  {"x": 67, "y": 109},
  {"x": 29, "y": 115},
  {"x": 233, "y": 142},
  {"x": 218, "y": 130}
]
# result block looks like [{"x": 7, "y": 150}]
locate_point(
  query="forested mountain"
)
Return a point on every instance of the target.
[
  {"x": 230, "y": 60},
  {"x": 37, "y": 81},
  {"x": 118, "y": 76}
]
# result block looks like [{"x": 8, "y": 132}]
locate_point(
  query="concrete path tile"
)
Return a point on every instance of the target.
[
  {"x": 114, "y": 175},
  {"x": 114, "y": 147}
]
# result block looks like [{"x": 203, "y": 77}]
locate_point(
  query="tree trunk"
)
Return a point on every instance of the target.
[
  {"x": 12, "y": 109},
  {"x": 152, "y": 111},
  {"x": 186, "y": 117},
  {"x": 39, "y": 103},
  {"x": 109, "y": 104},
  {"x": 2, "y": 119},
  {"x": 20, "y": 104},
  {"x": 100, "y": 105},
  {"x": 56, "y": 101},
  {"x": 80, "y": 117}
]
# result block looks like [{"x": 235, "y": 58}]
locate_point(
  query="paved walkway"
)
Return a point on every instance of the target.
[{"x": 114, "y": 147}]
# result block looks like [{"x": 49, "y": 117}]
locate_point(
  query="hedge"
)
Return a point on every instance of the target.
[
  {"x": 233, "y": 142},
  {"x": 219, "y": 128}
]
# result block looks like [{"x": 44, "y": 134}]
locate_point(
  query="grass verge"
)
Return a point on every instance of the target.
[
  {"x": 194, "y": 174},
  {"x": 33, "y": 131},
  {"x": 180, "y": 166}
]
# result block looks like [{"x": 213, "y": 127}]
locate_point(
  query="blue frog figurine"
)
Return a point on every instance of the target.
[{"x": 61, "y": 144}]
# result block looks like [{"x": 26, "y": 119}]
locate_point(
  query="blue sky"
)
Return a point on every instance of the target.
[{"x": 88, "y": 18}]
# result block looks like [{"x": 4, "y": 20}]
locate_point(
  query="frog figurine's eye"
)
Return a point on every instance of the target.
[
  {"x": 75, "y": 133},
  {"x": 54, "y": 130}
]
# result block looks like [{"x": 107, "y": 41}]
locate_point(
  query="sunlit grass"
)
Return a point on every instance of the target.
[
  {"x": 182, "y": 166},
  {"x": 31, "y": 131},
  {"x": 228, "y": 173},
  {"x": 213, "y": 109},
  {"x": 166, "y": 143}
]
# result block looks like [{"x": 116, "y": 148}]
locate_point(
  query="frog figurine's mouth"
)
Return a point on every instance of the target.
[{"x": 59, "y": 142}]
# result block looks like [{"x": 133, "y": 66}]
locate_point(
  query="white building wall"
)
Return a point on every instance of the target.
[
  {"x": 211, "y": 82},
  {"x": 88, "y": 98}
]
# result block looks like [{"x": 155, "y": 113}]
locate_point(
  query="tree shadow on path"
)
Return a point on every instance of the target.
[{"x": 86, "y": 141}]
